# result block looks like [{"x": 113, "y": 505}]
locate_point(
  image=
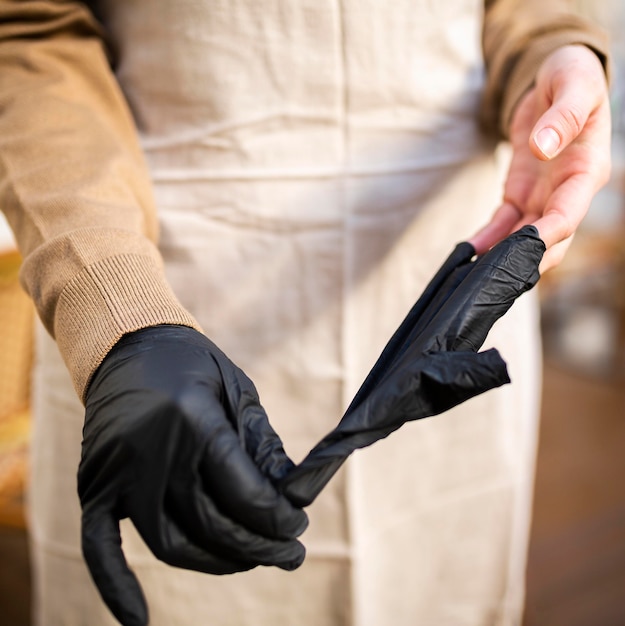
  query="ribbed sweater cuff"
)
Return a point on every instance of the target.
[{"x": 107, "y": 300}]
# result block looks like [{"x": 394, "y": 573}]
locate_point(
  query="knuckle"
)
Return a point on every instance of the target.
[{"x": 573, "y": 120}]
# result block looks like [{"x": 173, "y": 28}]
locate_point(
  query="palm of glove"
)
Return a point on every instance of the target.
[
  {"x": 176, "y": 440},
  {"x": 432, "y": 361}
]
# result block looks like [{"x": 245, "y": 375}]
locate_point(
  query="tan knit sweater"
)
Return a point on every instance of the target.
[{"x": 76, "y": 191}]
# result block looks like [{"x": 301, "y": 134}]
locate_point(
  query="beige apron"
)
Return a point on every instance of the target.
[{"x": 313, "y": 163}]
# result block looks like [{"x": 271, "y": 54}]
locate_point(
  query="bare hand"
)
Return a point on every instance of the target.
[{"x": 560, "y": 136}]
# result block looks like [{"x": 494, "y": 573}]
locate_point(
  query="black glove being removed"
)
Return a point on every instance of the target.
[
  {"x": 176, "y": 440},
  {"x": 431, "y": 363}
]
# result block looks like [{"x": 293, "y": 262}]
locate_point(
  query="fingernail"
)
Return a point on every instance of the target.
[{"x": 548, "y": 141}]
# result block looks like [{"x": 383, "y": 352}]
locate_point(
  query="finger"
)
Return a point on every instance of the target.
[
  {"x": 170, "y": 544},
  {"x": 257, "y": 436},
  {"x": 259, "y": 462},
  {"x": 261, "y": 442},
  {"x": 243, "y": 493},
  {"x": 503, "y": 222},
  {"x": 118, "y": 586},
  {"x": 565, "y": 209},
  {"x": 454, "y": 377},
  {"x": 564, "y": 120},
  {"x": 230, "y": 476},
  {"x": 201, "y": 524}
]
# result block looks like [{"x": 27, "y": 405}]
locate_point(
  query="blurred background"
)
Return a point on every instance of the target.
[{"x": 576, "y": 566}]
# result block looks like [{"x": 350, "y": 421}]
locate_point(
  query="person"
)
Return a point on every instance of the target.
[{"x": 308, "y": 166}]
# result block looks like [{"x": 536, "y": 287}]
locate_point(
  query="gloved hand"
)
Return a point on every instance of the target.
[
  {"x": 176, "y": 440},
  {"x": 432, "y": 361}
]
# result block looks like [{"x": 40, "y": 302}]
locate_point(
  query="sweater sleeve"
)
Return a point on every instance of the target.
[
  {"x": 518, "y": 36},
  {"x": 74, "y": 187}
]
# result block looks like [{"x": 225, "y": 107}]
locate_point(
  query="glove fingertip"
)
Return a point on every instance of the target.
[
  {"x": 118, "y": 586},
  {"x": 302, "y": 522},
  {"x": 296, "y": 561},
  {"x": 494, "y": 368}
]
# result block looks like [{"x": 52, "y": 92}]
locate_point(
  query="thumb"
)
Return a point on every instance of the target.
[
  {"x": 118, "y": 586},
  {"x": 263, "y": 443},
  {"x": 556, "y": 129},
  {"x": 572, "y": 80}
]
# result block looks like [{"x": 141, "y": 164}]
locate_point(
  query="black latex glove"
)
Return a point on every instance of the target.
[
  {"x": 176, "y": 440},
  {"x": 432, "y": 361}
]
